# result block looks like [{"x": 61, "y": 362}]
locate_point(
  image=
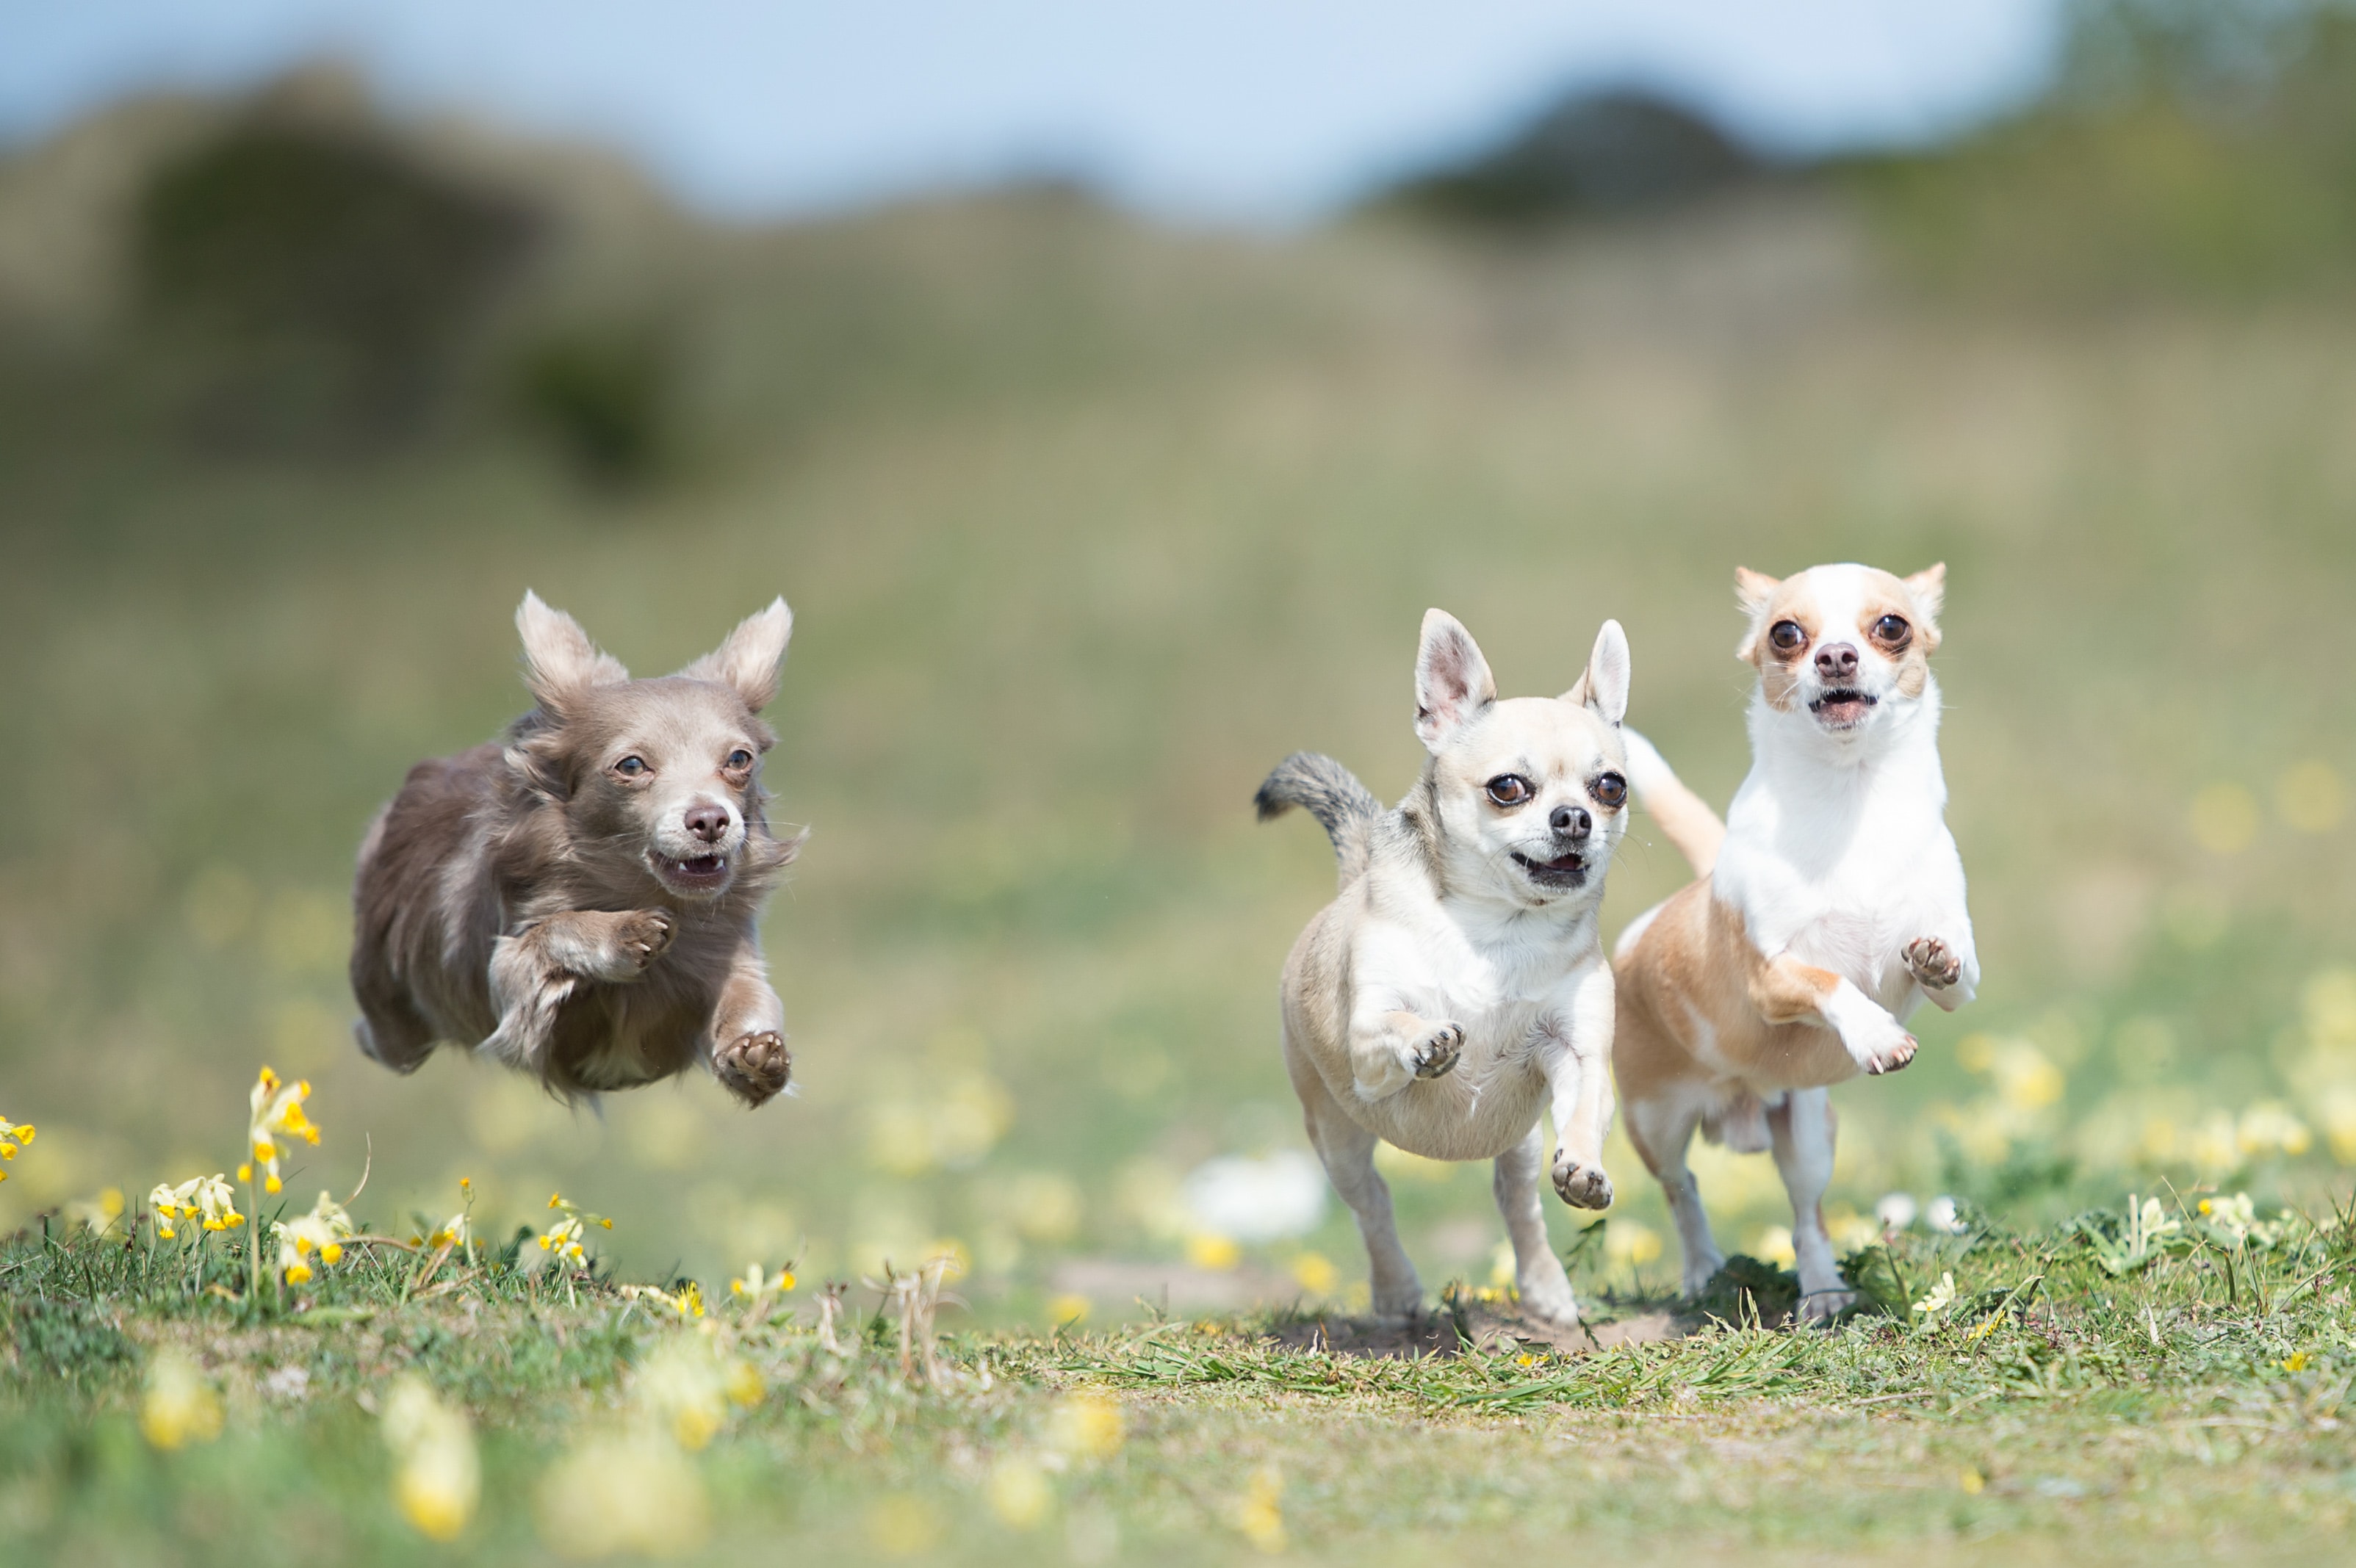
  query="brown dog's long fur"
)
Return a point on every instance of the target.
[{"x": 508, "y": 899}]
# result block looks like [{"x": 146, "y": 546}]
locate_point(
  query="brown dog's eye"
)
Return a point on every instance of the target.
[
  {"x": 630, "y": 767},
  {"x": 1786, "y": 636},
  {"x": 1510, "y": 790},
  {"x": 1892, "y": 629},
  {"x": 739, "y": 759},
  {"x": 1609, "y": 789}
]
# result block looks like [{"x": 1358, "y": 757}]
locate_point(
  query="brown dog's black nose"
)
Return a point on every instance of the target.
[
  {"x": 1570, "y": 822},
  {"x": 1837, "y": 661},
  {"x": 709, "y": 823}
]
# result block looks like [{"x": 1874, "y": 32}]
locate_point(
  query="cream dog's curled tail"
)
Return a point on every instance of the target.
[
  {"x": 1683, "y": 815},
  {"x": 1332, "y": 794}
]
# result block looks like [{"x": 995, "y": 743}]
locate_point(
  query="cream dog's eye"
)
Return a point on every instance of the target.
[
  {"x": 1510, "y": 789},
  {"x": 740, "y": 758},
  {"x": 1892, "y": 629},
  {"x": 1786, "y": 636},
  {"x": 630, "y": 767},
  {"x": 1609, "y": 789}
]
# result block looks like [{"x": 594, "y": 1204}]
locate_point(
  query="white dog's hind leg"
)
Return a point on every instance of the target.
[
  {"x": 1537, "y": 1272},
  {"x": 1802, "y": 1129},
  {"x": 1662, "y": 1130},
  {"x": 1348, "y": 1152},
  {"x": 1575, "y": 1054}
]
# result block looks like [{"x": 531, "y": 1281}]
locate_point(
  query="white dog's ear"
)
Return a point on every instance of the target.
[
  {"x": 559, "y": 658},
  {"x": 1452, "y": 684},
  {"x": 1929, "y": 587},
  {"x": 1754, "y": 590},
  {"x": 748, "y": 660},
  {"x": 1602, "y": 686}
]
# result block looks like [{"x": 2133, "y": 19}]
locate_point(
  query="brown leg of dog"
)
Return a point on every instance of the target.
[
  {"x": 748, "y": 1032},
  {"x": 534, "y": 970}
]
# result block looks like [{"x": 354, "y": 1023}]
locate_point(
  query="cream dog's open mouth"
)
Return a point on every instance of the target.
[
  {"x": 1844, "y": 707},
  {"x": 1562, "y": 872},
  {"x": 697, "y": 874}
]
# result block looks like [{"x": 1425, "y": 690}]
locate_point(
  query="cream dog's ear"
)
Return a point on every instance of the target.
[
  {"x": 1929, "y": 588},
  {"x": 1754, "y": 590},
  {"x": 559, "y": 661},
  {"x": 1602, "y": 686},
  {"x": 1452, "y": 683},
  {"x": 748, "y": 660}
]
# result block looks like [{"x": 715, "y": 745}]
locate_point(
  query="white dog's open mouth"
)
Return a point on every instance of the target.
[
  {"x": 698, "y": 874},
  {"x": 1843, "y": 706},
  {"x": 1562, "y": 872}
]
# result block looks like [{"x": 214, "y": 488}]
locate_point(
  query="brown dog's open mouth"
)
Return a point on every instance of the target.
[
  {"x": 1562, "y": 872},
  {"x": 1843, "y": 706},
  {"x": 700, "y": 873}
]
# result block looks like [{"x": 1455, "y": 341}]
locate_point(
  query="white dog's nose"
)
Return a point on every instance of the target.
[{"x": 1837, "y": 661}]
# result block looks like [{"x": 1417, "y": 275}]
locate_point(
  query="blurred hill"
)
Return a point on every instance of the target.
[{"x": 1086, "y": 523}]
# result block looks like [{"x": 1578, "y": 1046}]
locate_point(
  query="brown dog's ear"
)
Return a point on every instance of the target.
[
  {"x": 559, "y": 658},
  {"x": 1754, "y": 590},
  {"x": 1929, "y": 587},
  {"x": 748, "y": 660},
  {"x": 1602, "y": 686},
  {"x": 1452, "y": 683}
]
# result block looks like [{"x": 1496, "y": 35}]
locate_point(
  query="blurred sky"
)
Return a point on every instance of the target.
[{"x": 1235, "y": 110}]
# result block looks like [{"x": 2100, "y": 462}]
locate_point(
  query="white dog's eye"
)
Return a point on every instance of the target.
[
  {"x": 1609, "y": 789},
  {"x": 739, "y": 759},
  {"x": 1892, "y": 629},
  {"x": 1786, "y": 636},
  {"x": 1510, "y": 790},
  {"x": 630, "y": 767}
]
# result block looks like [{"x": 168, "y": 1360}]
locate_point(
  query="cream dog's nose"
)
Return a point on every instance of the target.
[
  {"x": 1837, "y": 661},
  {"x": 1570, "y": 822}
]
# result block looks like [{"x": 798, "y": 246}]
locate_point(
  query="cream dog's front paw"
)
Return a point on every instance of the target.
[
  {"x": 1581, "y": 1186},
  {"x": 1435, "y": 1055}
]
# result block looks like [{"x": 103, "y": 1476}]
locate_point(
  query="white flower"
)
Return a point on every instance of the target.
[
  {"x": 1896, "y": 1210},
  {"x": 1942, "y": 1297},
  {"x": 1256, "y": 1199},
  {"x": 1942, "y": 1216}
]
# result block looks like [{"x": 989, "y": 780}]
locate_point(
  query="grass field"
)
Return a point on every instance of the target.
[{"x": 1085, "y": 525}]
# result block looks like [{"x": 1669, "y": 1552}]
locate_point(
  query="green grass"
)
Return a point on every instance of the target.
[{"x": 2072, "y": 1402}]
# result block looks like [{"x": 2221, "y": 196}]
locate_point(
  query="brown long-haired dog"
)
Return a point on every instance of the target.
[{"x": 578, "y": 899}]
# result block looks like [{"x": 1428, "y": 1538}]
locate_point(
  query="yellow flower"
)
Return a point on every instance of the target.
[
  {"x": 1315, "y": 1274},
  {"x": 22, "y": 1132},
  {"x": 756, "y": 1284},
  {"x": 563, "y": 1237},
  {"x": 1018, "y": 1493},
  {"x": 2294, "y": 1362},
  {"x": 277, "y": 1112},
  {"x": 180, "y": 1406},
  {"x": 631, "y": 1494},
  {"x": 1067, "y": 1310},
  {"x": 323, "y": 1230},
  {"x": 685, "y": 1391},
  {"x": 1086, "y": 1426},
  {"x": 1261, "y": 1515},
  {"x": 208, "y": 1198},
  {"x": 1205, "y": 1249},
  {"x": 438, "y": 1480}
]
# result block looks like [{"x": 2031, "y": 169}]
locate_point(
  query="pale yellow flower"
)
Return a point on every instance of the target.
[
  {"x": 323, "y": 1230},
  {"x": 1086, "y": 1426},
  {"x": 12, "y": 1135},
  {"x": 1067, "y": 1310},
  {"x": 562, "y": 1238},
  {"x": 1315, "y": 1273},
  {"x": 1205, "y": 1249},
  {"x": 438, "y": 1478},
  {"x": 684, "y": 1389},
  {"x": 278, "y": 1115},
  {"x": 180, "y": 1406},
  {"x": 1018, "y": 1492},
  {"x": 631, "y": 1493},
  {"x": 207, "y": 1198},
  {"x": 1260, "y": 1515},
  {"x": 754, "y": 1284},
  {"x": 1942, "y": 1298}
]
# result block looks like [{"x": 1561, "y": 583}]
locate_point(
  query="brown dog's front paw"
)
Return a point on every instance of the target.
[
  {"x": 1932, "y": 964},
  {"x": 641, "y": 935},
  {"x": 1581, "y": 1186},
  {"x": 754, "y": 1067},
  {"x": 1436, "y": 1055}
]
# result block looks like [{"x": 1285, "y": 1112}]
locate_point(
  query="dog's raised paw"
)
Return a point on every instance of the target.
[
  {"x": 641, "y": 935},
  {"x": 1581, "y": 1186},
  {"x": 1436, "y": 1055},
  {"x": 1890, "y": 1058},
  {"x": 1932, "y": 964},
  {"x": 754, "y": 1067}
]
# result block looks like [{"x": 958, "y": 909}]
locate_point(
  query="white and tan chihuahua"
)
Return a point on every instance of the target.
[
  {"x": 1829, "y": 903},
  {"x": 1457, "y": 987}
]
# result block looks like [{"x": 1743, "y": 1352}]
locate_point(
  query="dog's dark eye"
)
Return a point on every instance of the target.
[
  {"x": 739, "y": 759},
  {"x": 630, "y": 767},
  {"x": 1786, "y": 636},
  {"x": 1510, "y": 790},
  {"x": 1892, "y": 629},
  {"x": 1609, "y": 789}
]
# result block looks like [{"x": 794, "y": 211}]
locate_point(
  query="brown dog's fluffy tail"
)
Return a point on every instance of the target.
[
  {"x": 1683, "y": 815},
  {"x": 1333, "y": 794}
]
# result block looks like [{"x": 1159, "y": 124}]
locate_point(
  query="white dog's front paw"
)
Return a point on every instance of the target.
[
  {"x": 1581, "y": 1186},
  {"x": 1932, "y": 964},
  {"x": 1434, "y": 1056},
  {"x": 1549, "y": 1299},
  {"x": 1879, "y": 1046}
]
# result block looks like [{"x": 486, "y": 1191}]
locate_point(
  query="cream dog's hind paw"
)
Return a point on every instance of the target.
[
  {"x": 754, "y": 1067},
  {"x": 1932, "y": 964},
  {"x": 1436, "y": 1055},
  {"x": 1581, "y": 1186}
]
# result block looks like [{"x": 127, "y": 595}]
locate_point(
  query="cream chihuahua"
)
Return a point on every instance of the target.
[
  {"x": 1457, "y": 987},
  {"x": 1830, "y": 903}
]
